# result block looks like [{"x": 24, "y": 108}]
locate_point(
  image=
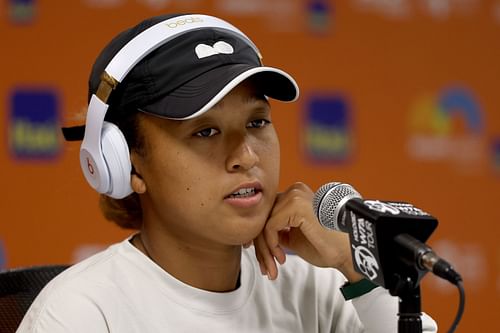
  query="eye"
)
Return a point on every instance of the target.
[
  {"x": 207, "y": 132},
  {"x": 258, "y": 123}
]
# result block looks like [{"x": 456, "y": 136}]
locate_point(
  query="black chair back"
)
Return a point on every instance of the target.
[{"x": 18, "y": 289}]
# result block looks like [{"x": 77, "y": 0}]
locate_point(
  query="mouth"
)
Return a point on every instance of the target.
[
  {"x": 245, "y": 195},
  {"x": 244, "y": 192}
]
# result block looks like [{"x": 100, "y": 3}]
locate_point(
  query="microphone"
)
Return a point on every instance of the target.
[{"x": 387, "y": 238}]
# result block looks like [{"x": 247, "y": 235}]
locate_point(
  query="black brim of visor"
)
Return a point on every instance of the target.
[{"x": 203, "y": 92}]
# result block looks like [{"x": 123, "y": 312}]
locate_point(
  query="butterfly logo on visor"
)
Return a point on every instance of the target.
[{"x": 220, "y": 47}]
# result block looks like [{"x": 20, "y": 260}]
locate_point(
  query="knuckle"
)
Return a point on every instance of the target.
[
  {"x": 301, "y": 186},
  {"x": 268, "y": 233}
]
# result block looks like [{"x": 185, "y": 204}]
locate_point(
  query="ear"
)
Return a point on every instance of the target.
[
  {"x": 136, "y": 181},
  {"x": 138, "y": 184}
]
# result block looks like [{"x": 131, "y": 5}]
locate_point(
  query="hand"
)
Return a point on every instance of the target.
[{"x": 293, "y": 224}]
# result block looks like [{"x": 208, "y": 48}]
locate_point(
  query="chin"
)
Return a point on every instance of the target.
[{"x": 246, "y": 232}]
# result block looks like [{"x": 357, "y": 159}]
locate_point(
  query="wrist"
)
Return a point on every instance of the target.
[
  {"x": 350, "y": 273},
  {"x": 353, "y": 276}
]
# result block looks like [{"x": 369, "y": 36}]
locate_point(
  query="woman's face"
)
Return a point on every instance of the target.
[{"x": 212, "y": 179}]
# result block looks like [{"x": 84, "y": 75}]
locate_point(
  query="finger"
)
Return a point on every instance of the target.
[
  {"x": 284, "y": 238},
  {"x": 259, "y": 256},
  {"x": 266, "y": 258},
  {"x": 260, "y": 260},
  {"x": 296, "y": 212},
  {"x": 281, "y": 220},
  {"x": 273, "y": 244}
]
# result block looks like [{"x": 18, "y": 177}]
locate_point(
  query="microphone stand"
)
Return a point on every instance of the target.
[{"x": 409, "y": 320}]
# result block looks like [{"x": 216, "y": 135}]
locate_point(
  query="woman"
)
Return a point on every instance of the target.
[{"x": 203, "y": 169}]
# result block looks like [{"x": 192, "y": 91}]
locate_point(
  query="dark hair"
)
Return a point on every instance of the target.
[{"x": 126, "y": 212}]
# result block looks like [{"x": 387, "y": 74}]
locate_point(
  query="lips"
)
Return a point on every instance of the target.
[
  {"x": 245, "y": 190},
  {"x": 245, "y": 196}
]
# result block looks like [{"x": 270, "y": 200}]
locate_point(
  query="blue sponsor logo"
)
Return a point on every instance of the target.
[
  {"x": 459, "y": 103},
  {"x": 327, "y": 129},
  {"x": 33, "y": 131},
  {"x": 496, "y": 155},
  {"x": 3, "y": 261},
  {"x": 22, "y": 11},
  {"x": 320, "y": 13}
]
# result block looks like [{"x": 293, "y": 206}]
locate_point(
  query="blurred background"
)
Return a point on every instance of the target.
[{"x": 399, "y": 98}]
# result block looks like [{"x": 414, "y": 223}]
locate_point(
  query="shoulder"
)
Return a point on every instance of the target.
[
  {"x": 88, "y": 272},
  {"x": 73, "y": 297}
]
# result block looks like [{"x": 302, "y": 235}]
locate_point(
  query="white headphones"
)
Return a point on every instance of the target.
[{"x": 104, "y": 153}]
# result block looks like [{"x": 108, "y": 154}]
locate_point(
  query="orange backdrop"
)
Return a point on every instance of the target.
[{"x": 398, "y": 98}]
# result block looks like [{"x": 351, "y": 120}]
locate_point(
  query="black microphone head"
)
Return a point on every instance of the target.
[{"x": 328, "y": 201}]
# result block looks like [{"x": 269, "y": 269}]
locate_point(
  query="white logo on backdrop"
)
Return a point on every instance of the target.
[
  {"x": 152, "y": 4},
  {"x": 469, "y": 259},
  {"x": 406, "y": 9},
  {"x": 279, "y": 15}
]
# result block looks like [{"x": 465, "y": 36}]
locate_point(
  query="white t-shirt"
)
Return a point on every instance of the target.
[{"x": 122, "y": 290}]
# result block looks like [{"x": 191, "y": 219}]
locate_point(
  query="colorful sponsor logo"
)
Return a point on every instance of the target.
[
  {"x": 33, "y": 125},
  {"x": 327, "y": 130},
  {"x": 447, "y": 127},
  {"x": 3, "y": 260},
  {"x": 320, "y": 13},
  {"x": 495, "y": 148},
  {"x": 22, "y": 11}
]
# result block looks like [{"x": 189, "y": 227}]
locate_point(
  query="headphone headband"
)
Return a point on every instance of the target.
[{"x": 155, "y": 36}]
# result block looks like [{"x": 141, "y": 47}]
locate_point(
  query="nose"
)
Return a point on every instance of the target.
[{"x": 242, "y": 155}]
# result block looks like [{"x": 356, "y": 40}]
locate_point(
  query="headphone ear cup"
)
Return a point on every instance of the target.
[{"x": 117, "y": 157}]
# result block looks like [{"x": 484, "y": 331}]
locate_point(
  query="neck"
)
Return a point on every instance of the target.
[{"x": 215, "y": 269}]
